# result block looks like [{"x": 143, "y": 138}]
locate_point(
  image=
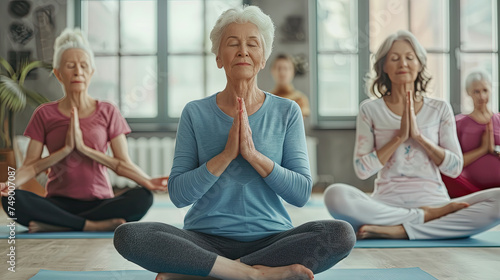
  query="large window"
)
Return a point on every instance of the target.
[
  {"x": 152, "y": 56},
  {"x": 459, "y": 36}
]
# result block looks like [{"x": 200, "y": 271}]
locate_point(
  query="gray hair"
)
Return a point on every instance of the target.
[
  {"x": 71, "y": 39},
  {"x": 252, "y": 14},
  {"x": 381, "y": 84},
  {"x": 476, "y": 76}
]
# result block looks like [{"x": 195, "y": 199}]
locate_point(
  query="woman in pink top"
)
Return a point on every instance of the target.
[
  {"x": 408, "y": 140},
  {"x": 479, "y": 134},
  {"x": 77, "y": 130}
]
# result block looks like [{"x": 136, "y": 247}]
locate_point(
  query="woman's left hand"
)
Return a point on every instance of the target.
[
  {"x": 247, "y": 148},
  {"x": 78, "y": 135}
]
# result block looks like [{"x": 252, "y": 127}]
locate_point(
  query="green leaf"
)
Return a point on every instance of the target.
[
  {"x": 3, "y": 135},
  {"x": 12, "y": 94},
  {"x": 7, "y": 67},
  {"x": 27, "y": 67}
]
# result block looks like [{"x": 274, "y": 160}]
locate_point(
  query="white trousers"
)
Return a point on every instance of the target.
[{"x": 348, "y": 203}]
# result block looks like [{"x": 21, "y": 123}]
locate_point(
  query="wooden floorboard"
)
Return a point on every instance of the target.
[{"x": 99, "y": 254}]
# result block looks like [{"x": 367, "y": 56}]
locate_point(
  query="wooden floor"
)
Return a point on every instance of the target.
[{"x": 99, "y": 254}]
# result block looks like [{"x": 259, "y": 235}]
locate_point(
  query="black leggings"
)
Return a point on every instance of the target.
[
  {"x": 72, "y": 213},
  {"x": 160, "y": 247}
]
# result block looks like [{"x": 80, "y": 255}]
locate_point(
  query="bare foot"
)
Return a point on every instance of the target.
[
  {"x": 104, "y": 225},
  {"x": 35, "y": 226},
  {"x": 290, "y": 272},
  {"x": 385, "y": 232},
  {"x": 431, "y": 213},
  {"x": 173, "y": 276}
]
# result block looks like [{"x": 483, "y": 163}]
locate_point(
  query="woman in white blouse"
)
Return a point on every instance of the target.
[{"x": 408, "y": 139}]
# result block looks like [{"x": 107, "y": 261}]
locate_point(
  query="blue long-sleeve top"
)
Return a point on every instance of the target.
[{"x": 240, "y": 204}]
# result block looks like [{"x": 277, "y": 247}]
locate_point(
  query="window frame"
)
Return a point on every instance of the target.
[
  {"x": 162, "y": 122},
  {"x": 455, "y": 74}
]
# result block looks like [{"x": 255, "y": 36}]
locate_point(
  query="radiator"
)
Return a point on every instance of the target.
[{"x": 155, "y": 156}]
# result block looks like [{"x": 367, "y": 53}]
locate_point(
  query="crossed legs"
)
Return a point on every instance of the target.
[{"x": 294, "y": 254}]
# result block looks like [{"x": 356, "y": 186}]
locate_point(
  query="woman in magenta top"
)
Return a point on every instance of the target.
[
  {"x": 478, "y": 133},
  {"x": 77, "y": 130}
]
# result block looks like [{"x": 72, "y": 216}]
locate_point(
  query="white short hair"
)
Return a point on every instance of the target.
[
  {"x": 476, "y": 76},
  {"x": 71, "y": 39},
  {"x": 252, "y": 14}
]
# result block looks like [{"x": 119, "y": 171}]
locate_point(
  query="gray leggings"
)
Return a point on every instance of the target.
[{"x": 160, "y": 247}]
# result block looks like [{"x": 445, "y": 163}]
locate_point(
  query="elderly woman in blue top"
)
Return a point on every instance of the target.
[{"x": 239, "y": 152}]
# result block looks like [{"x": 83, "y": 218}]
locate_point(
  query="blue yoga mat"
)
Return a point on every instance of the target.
[
  {"x": 413, "y": 273},
  {"x": 21, "y": 232},
  {"x": 485, "y": 239}
]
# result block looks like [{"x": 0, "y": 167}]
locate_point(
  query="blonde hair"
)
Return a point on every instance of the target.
[{"x": 71, "y": 39}]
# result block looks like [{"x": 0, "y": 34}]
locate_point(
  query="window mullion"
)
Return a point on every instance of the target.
[
  {"x": 204, "y": 47},
  {"x": 162, "y": 61},
  {"x": 454, "y": 60},
  {"x": 363, "y": 47},
  {"x": 313, "y": 39}
]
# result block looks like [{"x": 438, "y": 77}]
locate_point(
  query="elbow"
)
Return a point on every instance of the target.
[
  {"x": 455, "y": 173},
  {"x": 177, "y": 202},
  {"x": 452, "y": 166},
  {"x": 174, "y": 193},
  {"x": 360, "y": 173},
  {"x": 119, "y": 167},
  {"x": 360, "y": 169},
  {"x": 306, "y": 195}
]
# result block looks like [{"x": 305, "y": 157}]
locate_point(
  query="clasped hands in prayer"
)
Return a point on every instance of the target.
[
  {"x": 240, "y": 139},
  {"x": 488, "y": 141},
  {"x": 409, "y": 127},
  {"x": 74, "y": 141}
]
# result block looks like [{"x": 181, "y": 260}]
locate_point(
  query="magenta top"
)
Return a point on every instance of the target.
[
  {"x": 77, "y": 176},
  {"x": 485, "y": 171}
]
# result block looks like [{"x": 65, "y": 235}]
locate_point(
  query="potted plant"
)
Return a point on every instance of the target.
[{"x": 13, "y": 98}]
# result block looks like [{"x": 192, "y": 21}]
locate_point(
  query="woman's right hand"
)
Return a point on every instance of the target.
[
  {"x": 70, "y": 137},
  {"x": 404, "y": 130},
  {"x": 232, "y": 149}
]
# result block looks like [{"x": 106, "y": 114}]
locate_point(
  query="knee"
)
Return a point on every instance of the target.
[
  {"x": 335, "y": 197},
  {"x": 142, "y": 201},
  {"x": 126, "y": 237},
  {"x": 146, "y": 196},
  {"x": 335, "y": 243},
  {"x": 336, "y": 234},
  {"x": 344, "y": 236},
  {"x": 496, "y": 197}
]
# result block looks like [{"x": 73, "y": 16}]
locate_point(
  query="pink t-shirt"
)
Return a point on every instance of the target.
[
  {"x": 77, "y": 176},
  {"x": 485, "y": 171}
]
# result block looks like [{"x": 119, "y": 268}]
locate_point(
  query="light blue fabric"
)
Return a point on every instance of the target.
[
  {"x": 485, "y": 239},
  {"x": 413, "y": 273},
  {"x": 240, "y": 204}
]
